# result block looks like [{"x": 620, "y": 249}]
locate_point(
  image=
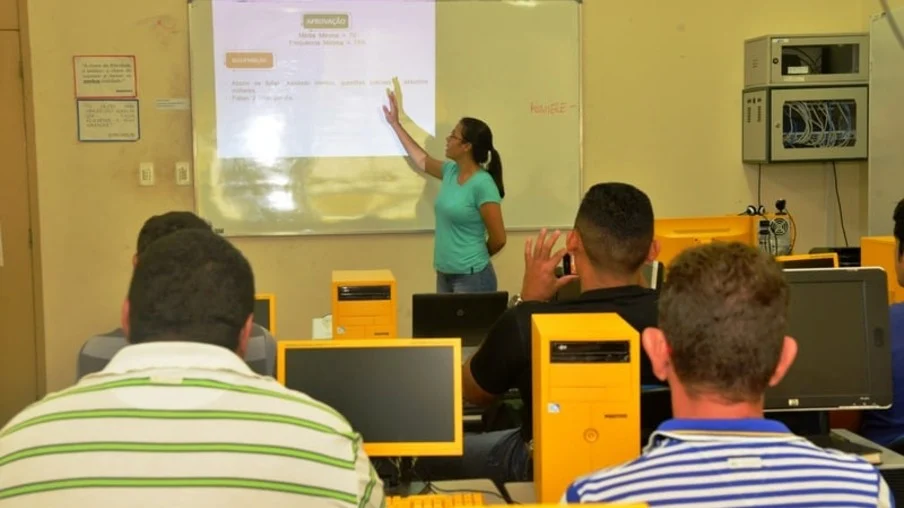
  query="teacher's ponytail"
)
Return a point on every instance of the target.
[
  {"x": 494, "y": 168},
  {"x": 478, "y": 134}
]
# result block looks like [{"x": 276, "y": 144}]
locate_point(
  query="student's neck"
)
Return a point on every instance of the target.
[
  {"x": 591, "y": 280},
  {"x": 711, "y": 407}
]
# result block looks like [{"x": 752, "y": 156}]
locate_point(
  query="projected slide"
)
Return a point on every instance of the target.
[{"x": 307, "y": 79}]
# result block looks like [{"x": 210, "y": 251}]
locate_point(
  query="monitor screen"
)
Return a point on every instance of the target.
[
  {"x": 391, "y": 395},
  {"x": 262, "y": 313},
  {"x": 468, "y": 316},
  {"x": 839, "y": 321}
]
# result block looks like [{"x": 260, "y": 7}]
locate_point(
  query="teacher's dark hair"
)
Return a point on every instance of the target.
[{"x": 478, "y": 134}]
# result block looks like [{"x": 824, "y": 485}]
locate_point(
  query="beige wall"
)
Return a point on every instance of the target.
[
  {"x": 662, "y": 90},
  {"x": 874, "y": 7}
]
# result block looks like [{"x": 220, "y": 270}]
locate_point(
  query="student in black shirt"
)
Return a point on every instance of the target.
[{"x": 611, "y": 240}]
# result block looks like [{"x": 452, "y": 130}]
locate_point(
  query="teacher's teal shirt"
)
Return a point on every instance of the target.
[{"x": 460, "y": 244}]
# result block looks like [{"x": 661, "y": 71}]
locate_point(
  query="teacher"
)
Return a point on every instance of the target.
[{"x": 469, "y": 227}]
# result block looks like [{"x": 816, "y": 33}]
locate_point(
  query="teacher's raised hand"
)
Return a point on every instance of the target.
[{"x": 391, "y": 111}]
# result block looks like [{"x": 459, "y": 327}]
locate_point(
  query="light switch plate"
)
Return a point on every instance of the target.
[
  {"x": 183, "y": 173},
  {"x": 146, "y": 174}
]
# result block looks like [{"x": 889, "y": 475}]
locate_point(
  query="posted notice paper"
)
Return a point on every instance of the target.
[
  {"x": 108, "y": 120},
  {"x": 105, "y": 77}
]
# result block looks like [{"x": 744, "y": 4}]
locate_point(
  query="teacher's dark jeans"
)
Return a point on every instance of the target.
[
  {"x": 483, "y": 281},
  {"x": 500, "y": 456}
]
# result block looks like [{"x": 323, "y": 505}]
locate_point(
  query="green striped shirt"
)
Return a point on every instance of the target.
[{"x": 182, "y": 424}]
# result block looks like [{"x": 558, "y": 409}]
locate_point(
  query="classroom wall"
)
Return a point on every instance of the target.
[{"x": 662, "y": 100}]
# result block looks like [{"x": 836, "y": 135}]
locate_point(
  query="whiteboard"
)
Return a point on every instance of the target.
[
  {"x": 886, "y": 123},
  {"x": 516, "y": 64}
]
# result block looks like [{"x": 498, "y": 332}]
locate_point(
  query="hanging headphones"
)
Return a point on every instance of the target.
[{"x": 752, "y": 210}]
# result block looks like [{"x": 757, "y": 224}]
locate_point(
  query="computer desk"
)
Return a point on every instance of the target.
[
  {"x": 521, "y": 492},
  {"x": 891, "y": 468}
]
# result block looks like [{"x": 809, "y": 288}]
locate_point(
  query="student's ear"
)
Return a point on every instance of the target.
[
  {"x": 657, "y": 349},
  {"x": 572, "y": 241},
  {"x": 124, "y": 317},
  {"x": 654, "y": 251},
  {"x": 785, "y": 360},
  {"x": 245, "y": 335},
  {"x": 134, "y": 260}
]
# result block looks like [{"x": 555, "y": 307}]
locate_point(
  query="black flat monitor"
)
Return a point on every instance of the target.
[
  {"x": 402, "y": 395},
  {"x": 468, "y": 316},
  {"x": 839, "y": 318},
  {"x": 265, "y": 311}
]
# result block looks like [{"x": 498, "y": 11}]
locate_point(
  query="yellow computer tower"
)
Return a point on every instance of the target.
[
  {"x": 880, "y": 251},
  {"x": 586, "y": 397},
  {"x": 364, "y": 304}
]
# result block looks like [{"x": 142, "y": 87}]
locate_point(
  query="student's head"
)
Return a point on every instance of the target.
[
  {"x": 191, "y": 285},
  {"x": 159, "y": 226},
  {"x": 722, "y": 321},
  {"x": 899, "y": 241},
  {"x": 613, "y": 231},
  {"x": 472, "y": 139}
]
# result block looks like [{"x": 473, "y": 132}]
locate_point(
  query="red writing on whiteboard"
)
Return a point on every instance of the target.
[{"x": 551, "y": 108}]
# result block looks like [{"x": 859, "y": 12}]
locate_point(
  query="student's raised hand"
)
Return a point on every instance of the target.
[{"x": 540, "y": 281}]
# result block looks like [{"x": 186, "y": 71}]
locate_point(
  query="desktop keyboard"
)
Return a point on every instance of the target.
[{"x": 436, "y": 501}]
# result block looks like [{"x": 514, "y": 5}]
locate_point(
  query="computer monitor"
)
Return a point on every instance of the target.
[
  {"x": 839, "y": 318},
  {"x": 468, "y": 316},
  {"x": 677, "y": 234},
  {"x": 798, "y": 261},
  {"x": 402, "y": 395},
  {"x": 265, "y": 311},
  {"x": 847, "y": 256}
]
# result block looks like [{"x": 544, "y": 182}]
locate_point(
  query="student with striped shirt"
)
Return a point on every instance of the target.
[
  {"x": 720, "y": 343},
  {"x": 177, "y": 419}
]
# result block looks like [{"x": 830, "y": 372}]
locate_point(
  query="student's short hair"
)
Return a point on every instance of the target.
[
  {"x": 723, "y": 311},
  {"x": 159, "y": 226},
  {"x": 899, "y": 227},
  {"x": 615, "y": 223},
  {"x": 191, "y": 285}
]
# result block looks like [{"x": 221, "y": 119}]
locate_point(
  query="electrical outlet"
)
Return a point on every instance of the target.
[
  {"x": 146, "y": 174},
  {"x": 183, "y": 173}
]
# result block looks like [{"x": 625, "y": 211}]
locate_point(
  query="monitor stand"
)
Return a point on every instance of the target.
[
  {"x": 398, "y": 479},
  {"x": 814, "y": 425}
]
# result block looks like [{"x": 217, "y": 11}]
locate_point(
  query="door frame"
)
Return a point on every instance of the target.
[{"x": 33, "y": 209}]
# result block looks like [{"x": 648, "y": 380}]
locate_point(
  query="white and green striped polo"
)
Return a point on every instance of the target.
[{"x": 182, "y": 424}]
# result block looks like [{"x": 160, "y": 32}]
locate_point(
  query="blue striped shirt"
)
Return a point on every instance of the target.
[{"x": 734, "y": 463}]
